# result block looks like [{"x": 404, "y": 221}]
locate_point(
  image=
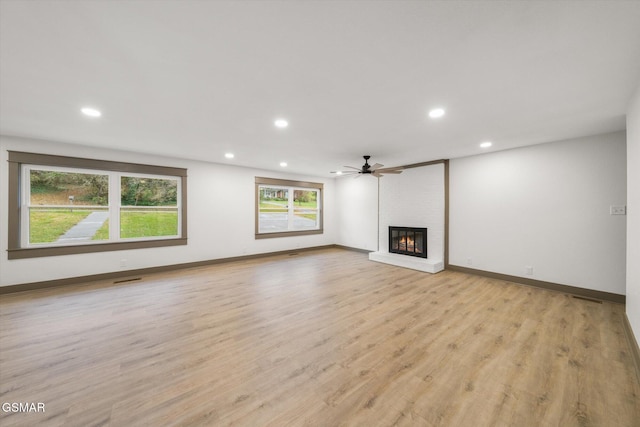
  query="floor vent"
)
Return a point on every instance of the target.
[
  {"x": 597, "y": 301},
  {"x": 128, "y": 280}
]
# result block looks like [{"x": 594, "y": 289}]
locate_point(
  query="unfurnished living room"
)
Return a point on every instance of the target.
[{"x": 319, "y": 213}]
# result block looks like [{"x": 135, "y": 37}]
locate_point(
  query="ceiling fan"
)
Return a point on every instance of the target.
[{"x": 376, "y": 170}]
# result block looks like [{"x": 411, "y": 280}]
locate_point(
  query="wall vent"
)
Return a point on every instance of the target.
[
  {"x": 597, "y": 301},
  {"x": 127, "y": 280}
]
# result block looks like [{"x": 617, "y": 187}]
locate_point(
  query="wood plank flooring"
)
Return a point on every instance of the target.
[{"x": 323, "y": 338}]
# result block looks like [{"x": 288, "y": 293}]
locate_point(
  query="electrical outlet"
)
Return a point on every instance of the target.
[
  {"x": 617, "y": 210},
  {"x": 528, "y": 270},
  {"x": 123, "y": 263},
  {"x": 469, "y": 261}
]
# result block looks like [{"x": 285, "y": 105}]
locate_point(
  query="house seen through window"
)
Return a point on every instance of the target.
[{"x": 288, "y": 207}]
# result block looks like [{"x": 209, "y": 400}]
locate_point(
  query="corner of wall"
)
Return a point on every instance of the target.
[{"x": 633, "y": 214}]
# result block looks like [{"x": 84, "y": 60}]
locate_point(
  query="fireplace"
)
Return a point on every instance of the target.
[{"x": 408, "y": 241}]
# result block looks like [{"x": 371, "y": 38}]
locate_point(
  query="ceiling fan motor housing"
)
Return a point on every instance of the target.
[{"x": 366, "y": 166}]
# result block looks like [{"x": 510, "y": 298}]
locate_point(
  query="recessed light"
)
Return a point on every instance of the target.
[
  {"x": 436, "y": 113},
  {"x": 339, "y": 173},
  {"x": 283, "y": 164},
  {"x": 486, "y": 144},
  {"x": 229, "y": 155},
  {"x": 91, "y": 112},
  {"x": 281, "y": 123}
]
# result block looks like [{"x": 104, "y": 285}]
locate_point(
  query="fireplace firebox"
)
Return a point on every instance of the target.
[{"x": 408, "y": 241}]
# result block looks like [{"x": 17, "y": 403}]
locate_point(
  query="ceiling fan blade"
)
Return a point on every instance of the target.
[
  {"x": 352, "y": 167},
  {"x": 376, "y": 166},
  {"x": 357, "y": 175},
  {"x": 389, "y": 171}
]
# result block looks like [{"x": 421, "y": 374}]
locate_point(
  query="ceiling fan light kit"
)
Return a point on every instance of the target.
[{"x": 376, "y": 169}]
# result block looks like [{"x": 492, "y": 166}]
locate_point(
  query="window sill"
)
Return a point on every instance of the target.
[
  {"x": 288, "y": 234},
  {"x": 23, "y": 253}
]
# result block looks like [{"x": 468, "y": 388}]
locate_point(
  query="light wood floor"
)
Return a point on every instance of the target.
[{"x": 323, "y": 338}]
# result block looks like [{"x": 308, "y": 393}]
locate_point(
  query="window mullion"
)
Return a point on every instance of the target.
[
  {"x": 290, "y": 210},
  {"x": 318, "y": 208},
  {"x": 25, "y": 208},
  {"x": 114, "y": 206},
  {"x": 179, "y": 206}
]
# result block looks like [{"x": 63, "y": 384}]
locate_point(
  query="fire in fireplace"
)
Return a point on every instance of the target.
[{"x": 408, "y": 241}]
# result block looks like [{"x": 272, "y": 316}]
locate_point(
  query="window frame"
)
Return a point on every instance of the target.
[
  {"x": 17, "y": 159},
  {"x": 291, "y": 186}
]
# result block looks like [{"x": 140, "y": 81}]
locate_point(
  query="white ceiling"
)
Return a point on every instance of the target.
[{"x": 195, "y": 79}]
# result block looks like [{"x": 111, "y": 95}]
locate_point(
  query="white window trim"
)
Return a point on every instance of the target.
[
  {"x": 119, "y": 207},
  {"x": 114, "y": 207}
]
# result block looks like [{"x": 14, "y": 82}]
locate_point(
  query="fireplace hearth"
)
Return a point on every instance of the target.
[{"x": 410, "y": 241}]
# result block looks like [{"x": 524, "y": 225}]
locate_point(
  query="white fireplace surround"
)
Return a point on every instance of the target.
[
  {"x": 414, "y": 198},
  {"x": 406, "y": 261}
]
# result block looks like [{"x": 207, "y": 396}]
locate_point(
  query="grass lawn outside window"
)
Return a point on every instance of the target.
[{"x": 48, "y": 225}]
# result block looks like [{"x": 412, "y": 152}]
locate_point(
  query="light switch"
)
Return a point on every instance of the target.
[{"x": 617, "y": 210}]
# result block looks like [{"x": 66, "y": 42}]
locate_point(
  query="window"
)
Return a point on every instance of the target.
[
  {"x": 149, "y": 207},
  {"x": 287, "y": 208},
  {"x": 56, "y": 202},
  {"x": 64, "y": 205}
]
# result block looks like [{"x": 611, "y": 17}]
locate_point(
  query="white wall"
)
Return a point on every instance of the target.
[
  {"x": 545, "y": 206},
  {"x": 633, "y": 214},
  {"x": 357, "y": 205},
  {"x": 414, "y": 198},
  {"x": 221, "y": 205}
]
